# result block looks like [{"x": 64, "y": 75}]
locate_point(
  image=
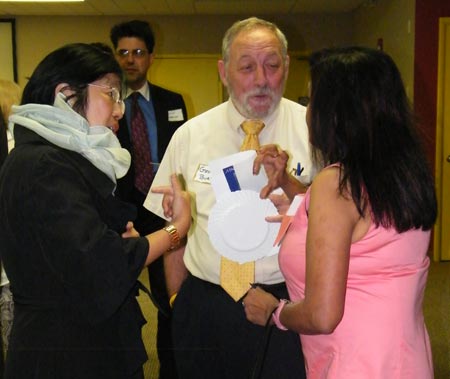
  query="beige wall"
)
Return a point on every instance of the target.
[
  {"x": 392, "y": 20},
  {"x": 194, "y": 76},
  {"x": 187, "y": 35},
  {"x": 37, "y": 36}
]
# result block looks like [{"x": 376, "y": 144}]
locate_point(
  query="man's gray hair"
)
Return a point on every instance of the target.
[{"x": 250, "y": 24}]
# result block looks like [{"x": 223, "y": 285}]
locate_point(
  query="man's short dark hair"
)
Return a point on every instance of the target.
[{"x": 135, "y": 28}]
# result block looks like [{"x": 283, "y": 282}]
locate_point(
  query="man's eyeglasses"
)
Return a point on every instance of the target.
[
  {"x": 138, "y": 53},
  {"x": 114, "y": 93}
]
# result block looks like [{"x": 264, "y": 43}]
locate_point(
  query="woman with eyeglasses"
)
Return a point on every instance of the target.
[{"x": 69, "y": 246}]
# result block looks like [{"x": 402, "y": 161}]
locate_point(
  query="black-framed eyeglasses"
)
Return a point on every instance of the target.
[
  {"x": 125, "y": 53},
  {"x": 114, "y": 93}
]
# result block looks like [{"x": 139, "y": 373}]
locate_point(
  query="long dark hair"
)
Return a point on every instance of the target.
[
  {"x": 75, "y": 64},
  {"x": 362, "y": 119}
]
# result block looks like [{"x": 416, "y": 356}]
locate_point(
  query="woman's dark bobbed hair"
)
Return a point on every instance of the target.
[{"x": 77, "y": 65}]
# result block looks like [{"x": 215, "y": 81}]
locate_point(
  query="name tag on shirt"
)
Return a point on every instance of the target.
[
  {"x": 176, "y": 115},
  {"x": 203, "y": 174}
]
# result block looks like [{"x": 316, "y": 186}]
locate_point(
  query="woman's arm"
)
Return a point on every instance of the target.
[
  {"x": 171, "y": 236},
  {"x": 332, "y": 221}
]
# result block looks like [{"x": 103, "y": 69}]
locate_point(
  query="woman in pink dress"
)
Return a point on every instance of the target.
[{"x": 355, "y": 254}]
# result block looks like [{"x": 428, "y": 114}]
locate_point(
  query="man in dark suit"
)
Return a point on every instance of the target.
[{"x": 163, "y": 111}]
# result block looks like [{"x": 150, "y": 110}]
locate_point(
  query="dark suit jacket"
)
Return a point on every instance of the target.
[
  {"x": 163, "y": 102},
  {"x": 73, "y": 277}
]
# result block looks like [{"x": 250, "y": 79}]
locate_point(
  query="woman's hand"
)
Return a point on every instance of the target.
[
  {"x": 176, "y": 204},
  {"x": 181, "y": 206},
  {"x": 282, "y": 203},
  {"x": 274, "y": 161},
  {"x": 259, "y": 305},
  {"x": 167, "y": 200},
  {"x": 130, "y": 231}
]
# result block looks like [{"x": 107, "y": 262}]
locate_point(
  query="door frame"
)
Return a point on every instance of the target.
[{"x": 443, "y": 95}]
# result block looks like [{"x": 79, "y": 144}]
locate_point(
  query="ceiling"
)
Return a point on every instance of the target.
[{"x": 180, "y": 7}]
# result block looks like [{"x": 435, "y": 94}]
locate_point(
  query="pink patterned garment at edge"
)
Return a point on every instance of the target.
[{"x": 382, "y": 334}]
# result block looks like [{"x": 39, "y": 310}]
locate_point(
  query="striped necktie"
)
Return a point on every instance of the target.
[{"x": 143, "y": 169}]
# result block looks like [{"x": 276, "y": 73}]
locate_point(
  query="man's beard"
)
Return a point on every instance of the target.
[{"x": 250, "y": 112}]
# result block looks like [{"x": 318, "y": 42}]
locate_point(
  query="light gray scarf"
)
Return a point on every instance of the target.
[{"x": 62, "y": 126}]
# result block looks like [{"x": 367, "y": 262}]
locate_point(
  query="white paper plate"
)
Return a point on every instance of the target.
[{"x": 237, "y": 227}]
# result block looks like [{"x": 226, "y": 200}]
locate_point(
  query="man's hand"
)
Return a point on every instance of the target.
[{"x": 259, "y": 305}]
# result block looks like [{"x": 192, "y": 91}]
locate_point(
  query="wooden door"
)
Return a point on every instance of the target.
[
  {"x": 298, "y": 77},
  {"x": 442, "y": 228}
]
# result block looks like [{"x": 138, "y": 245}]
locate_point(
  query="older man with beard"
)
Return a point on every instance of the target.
[{"x": 212, "y": 337}]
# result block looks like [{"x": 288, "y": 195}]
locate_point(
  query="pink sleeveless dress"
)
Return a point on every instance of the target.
[{"x": 382, "y": 334}]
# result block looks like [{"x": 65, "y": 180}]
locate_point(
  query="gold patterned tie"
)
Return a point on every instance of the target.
[
  {"x": 251, "y": 128},
  {"x": 236, "y": 278}
]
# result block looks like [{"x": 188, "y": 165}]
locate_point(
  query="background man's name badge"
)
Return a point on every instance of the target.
[
  {"x": 176, "y": 115},
  {"x": 203, "y": 174}
]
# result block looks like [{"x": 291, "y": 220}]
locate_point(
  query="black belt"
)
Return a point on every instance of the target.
[{"x": 271, "y": 288}]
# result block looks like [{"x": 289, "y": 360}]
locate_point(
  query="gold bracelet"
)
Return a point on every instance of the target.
[{"x": 174, "y": 236}]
